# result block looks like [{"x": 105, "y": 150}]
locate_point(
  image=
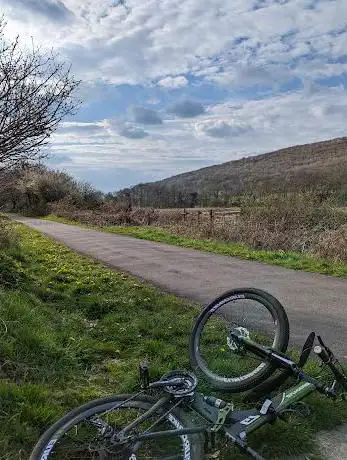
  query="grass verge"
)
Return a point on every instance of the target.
[
  {"x": 287, "y": 259},
  {"x": 72, "y": 330}
]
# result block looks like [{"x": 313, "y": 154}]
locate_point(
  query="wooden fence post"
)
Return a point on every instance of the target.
[
  {"x": 184, "y": 214},
  {"x": 211, "y": 221}
]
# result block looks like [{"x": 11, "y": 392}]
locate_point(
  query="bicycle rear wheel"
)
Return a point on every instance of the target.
[
  {"x": 86, "y": 433},
  {"x": 256, "y": 314}
]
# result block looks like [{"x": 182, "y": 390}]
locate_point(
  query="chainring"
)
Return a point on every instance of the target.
[{"x": 188, "y": 383}]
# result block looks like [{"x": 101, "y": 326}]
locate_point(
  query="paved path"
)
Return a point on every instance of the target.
[{"x": 313, "y": 302}]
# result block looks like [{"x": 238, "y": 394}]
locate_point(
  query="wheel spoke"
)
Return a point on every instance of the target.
[
  {"x": 84, "y": 441},
  {"x": 225, "y": 361}
]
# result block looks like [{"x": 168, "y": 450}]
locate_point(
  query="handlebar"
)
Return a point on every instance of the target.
[
  {"x": 327, "y": 359},
  {"x": 322, "y": 354}
]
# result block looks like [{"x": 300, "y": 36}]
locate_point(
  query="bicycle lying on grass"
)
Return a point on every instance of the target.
[{"x": 237, "y": 342}]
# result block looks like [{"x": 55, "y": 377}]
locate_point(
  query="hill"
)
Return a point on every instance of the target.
[{"x": 320, "y": 165}]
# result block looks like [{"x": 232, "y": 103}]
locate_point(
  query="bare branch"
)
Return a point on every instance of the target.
[{"x": 36, "y": 93}]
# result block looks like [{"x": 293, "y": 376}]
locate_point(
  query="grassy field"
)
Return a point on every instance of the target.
[
  {"x": 288, "y": 259},
  {"x": 72, "y": 330}
]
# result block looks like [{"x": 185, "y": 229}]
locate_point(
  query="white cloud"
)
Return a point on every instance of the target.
[
  {"x": 131, "y": 132},
  {"x": 51, "y": 10},
  {"x": 75, "y": 128},
  {"x": 164, "y": 39},
  {"x": 186, "y": 108},
  {"x": 221, "y": 128},
  {"x": 146, "y": 116},
  {"x": 59, "y": 160},
  {"x": 173, "y": 82}
]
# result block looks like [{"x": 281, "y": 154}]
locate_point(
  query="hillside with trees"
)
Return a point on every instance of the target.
[{"x": 319, "y": 167}]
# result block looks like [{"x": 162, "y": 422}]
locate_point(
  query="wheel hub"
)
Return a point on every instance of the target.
[{"x": 233, "y": 343}]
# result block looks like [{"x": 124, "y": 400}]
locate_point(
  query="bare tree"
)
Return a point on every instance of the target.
[
  {"x": 8, "y": 179},
  {"x": 36, "y": 93}
]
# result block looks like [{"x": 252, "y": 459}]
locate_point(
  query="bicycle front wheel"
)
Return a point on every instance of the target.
[
  {"x": 88, "y": 433},
  {"x": 254, "y": 313}
]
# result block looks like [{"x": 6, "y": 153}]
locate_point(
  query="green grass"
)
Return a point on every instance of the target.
[
  {"x": 288, "y": 259},
  {"x": 72, "y": 330}
]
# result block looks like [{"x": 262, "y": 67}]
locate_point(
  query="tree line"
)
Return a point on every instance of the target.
[{"x": 31, "y": 189}]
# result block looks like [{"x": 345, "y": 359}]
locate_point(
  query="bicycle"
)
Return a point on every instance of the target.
[{"x": 140, "y": 426}]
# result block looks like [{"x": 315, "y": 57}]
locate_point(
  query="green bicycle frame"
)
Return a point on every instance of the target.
[{"x": 237, "y": 424}]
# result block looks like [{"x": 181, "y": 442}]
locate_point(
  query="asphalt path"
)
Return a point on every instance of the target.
[{"x": 313, "y": 302}]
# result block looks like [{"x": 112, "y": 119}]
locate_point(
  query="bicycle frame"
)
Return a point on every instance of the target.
[{"x": 236, "y": 425}]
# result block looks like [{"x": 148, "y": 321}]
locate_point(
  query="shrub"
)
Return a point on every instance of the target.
[
  {"x": 293, "y": 222},
  {"x": 289, "y": 223},
  {"x": 332, "y": 244},
  {"x": 342, "y": 196},
  {"x": 296, "y": 223},
  {"x": 7, "y": 236}
]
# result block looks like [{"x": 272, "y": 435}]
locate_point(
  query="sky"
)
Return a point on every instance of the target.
[{"x": 170, "y": 86}]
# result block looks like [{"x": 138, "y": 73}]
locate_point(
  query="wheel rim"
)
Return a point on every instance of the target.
[
  {"x": 85, "y": 440},
  {"x": 215, "y": 350}
]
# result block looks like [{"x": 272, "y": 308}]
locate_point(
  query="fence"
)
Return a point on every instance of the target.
[
  {"x": 150, "y": 216},
  {"x": 213, "y": 216}
]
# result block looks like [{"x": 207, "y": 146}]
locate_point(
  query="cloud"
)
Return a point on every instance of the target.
[
  {"x": 265, "y": 78},
  {"x": 153, "y": 100},
  {"x": 227, "y": 131},
  {"x": 113, "y": 178},
  {"x": 326, "y": 109},
  {"x": 82, "y": 128},
  {"x": 173, "y": 82},
  {"x": 146, "y": 43},
  {"x": 221, "y": 128},
  {"x": 53, "y": 10},
  {"x": 250, "y": 75},
  {"x": 58, "y": 159},
  {"x": 146, "y": 116},
  {"x": 257, "y": 75},
  {"x": 132, "y": 132},
  {"x": 186, "y": 109}
]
